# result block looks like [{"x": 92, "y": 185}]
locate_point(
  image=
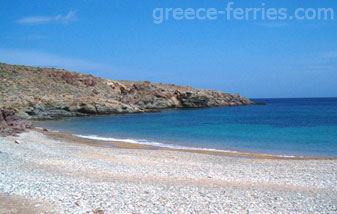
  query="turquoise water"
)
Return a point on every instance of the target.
[{"x": 299, "y": 127}]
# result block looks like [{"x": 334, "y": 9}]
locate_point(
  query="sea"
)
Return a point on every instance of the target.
[{"x": 303, "y": 127}]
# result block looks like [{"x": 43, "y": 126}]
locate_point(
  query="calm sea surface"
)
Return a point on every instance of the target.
[{"x": 300, "y": 127}]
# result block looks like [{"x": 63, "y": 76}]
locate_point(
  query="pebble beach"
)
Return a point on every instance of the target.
[{"x": 50, "y": 175}]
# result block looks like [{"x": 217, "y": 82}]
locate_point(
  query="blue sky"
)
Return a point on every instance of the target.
[{"x": 118, "y": 40}]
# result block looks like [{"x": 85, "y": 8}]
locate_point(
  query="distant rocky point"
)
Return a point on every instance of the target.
[{"x": 48, "y": 93}]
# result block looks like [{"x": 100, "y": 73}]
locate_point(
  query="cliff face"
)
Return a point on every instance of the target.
[{"x": 46, "y": 93}]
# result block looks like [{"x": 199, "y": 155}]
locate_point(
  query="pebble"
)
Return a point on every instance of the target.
[{"x": 75, "y": 178}]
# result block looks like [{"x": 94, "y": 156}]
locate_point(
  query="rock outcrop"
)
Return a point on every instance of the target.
[
  {"x": 11, "y": 124},
  {"x": 47, "y": 93}
]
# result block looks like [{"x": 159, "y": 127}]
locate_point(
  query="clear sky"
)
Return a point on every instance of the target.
[{"x": 119, "y": 40}]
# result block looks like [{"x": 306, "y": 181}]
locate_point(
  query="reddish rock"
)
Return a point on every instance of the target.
[
  {"x": 10, "y": 124},
  {"x": 90, "y": 82},
  {"x": 68, "y": 77}
]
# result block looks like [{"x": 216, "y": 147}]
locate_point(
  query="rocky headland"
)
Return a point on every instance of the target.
[{"x": 49, "y": 93}]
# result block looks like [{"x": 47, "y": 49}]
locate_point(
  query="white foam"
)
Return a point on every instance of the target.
[
  {"x": 50, "y": 130},
  {"x": 39, "y": 128},
  {"x": 170, "y": 146}
]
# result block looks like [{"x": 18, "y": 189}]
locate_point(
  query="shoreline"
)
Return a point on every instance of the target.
[
  {"x": 76, "y": 175},
  {"x": 129, "y": 145}
]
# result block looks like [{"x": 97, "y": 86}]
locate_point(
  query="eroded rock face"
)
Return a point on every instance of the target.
[
  {"x": 11, "y": 124},
  {"x": 47, "y": 93}
]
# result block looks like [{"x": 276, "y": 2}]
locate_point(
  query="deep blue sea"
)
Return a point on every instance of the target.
[{"x": 296, "y": 127}]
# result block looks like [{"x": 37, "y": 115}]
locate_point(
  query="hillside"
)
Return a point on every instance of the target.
[
  {"x": 48, "y": 93},
  {"x": 44, "y": 93}
]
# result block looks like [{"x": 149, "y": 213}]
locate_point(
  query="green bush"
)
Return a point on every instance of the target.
[{"x": 3, "y": 71}]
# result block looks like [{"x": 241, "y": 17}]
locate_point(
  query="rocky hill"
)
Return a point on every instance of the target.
[{"x": 47, "y": 93}]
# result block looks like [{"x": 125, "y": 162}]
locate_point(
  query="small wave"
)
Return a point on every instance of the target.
[
  {"x": 165, "y": 145},
  {"x": 50, "y": 130}
]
